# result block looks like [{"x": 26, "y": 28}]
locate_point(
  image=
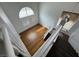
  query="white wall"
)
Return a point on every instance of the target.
[
  {"x": 74, "y": 40},
  {"x": 12, "y": 11},
  {"x": 50, "y": 12},
  {"x": 28, "y": 22},
  {"x": 76, "y": 8},
  {"x": 74, "y": 37}
]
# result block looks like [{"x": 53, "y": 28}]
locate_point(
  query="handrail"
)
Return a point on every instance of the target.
[
  {"x": 14, "y": 35},
  {"x": 48, "y": 42},
  {"x": 7, "y": 42}
]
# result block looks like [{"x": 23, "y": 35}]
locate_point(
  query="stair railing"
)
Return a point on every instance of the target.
[
  {"x": 15, "y": 36},
  {"x": 8, "y": 45},
  {"x": 44, "y": 49}
]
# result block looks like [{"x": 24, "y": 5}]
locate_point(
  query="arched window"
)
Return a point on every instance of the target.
[{"x": 26, "y": 11}]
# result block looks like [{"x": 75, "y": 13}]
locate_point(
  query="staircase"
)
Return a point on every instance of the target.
[{"x": 62, "y": 48}]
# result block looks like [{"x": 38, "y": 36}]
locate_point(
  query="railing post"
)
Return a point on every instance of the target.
[{"x": 7, "y": 43}]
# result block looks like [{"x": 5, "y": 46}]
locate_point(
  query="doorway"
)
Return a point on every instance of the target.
[{"x": 72, "y": 19}]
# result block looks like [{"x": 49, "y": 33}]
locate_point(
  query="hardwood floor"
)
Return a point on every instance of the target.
[{"x": 33, "y": 45}]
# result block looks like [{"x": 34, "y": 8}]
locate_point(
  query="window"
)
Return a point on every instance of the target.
[
  {"x": 26, "y": 11},
  {"x": 23, "y": 15}
]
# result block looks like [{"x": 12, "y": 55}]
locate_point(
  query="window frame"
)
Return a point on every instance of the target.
[{"x": 27, "y": 10}]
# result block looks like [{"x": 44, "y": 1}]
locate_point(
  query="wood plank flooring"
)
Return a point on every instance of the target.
[{"x": 33, "y": 45}]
